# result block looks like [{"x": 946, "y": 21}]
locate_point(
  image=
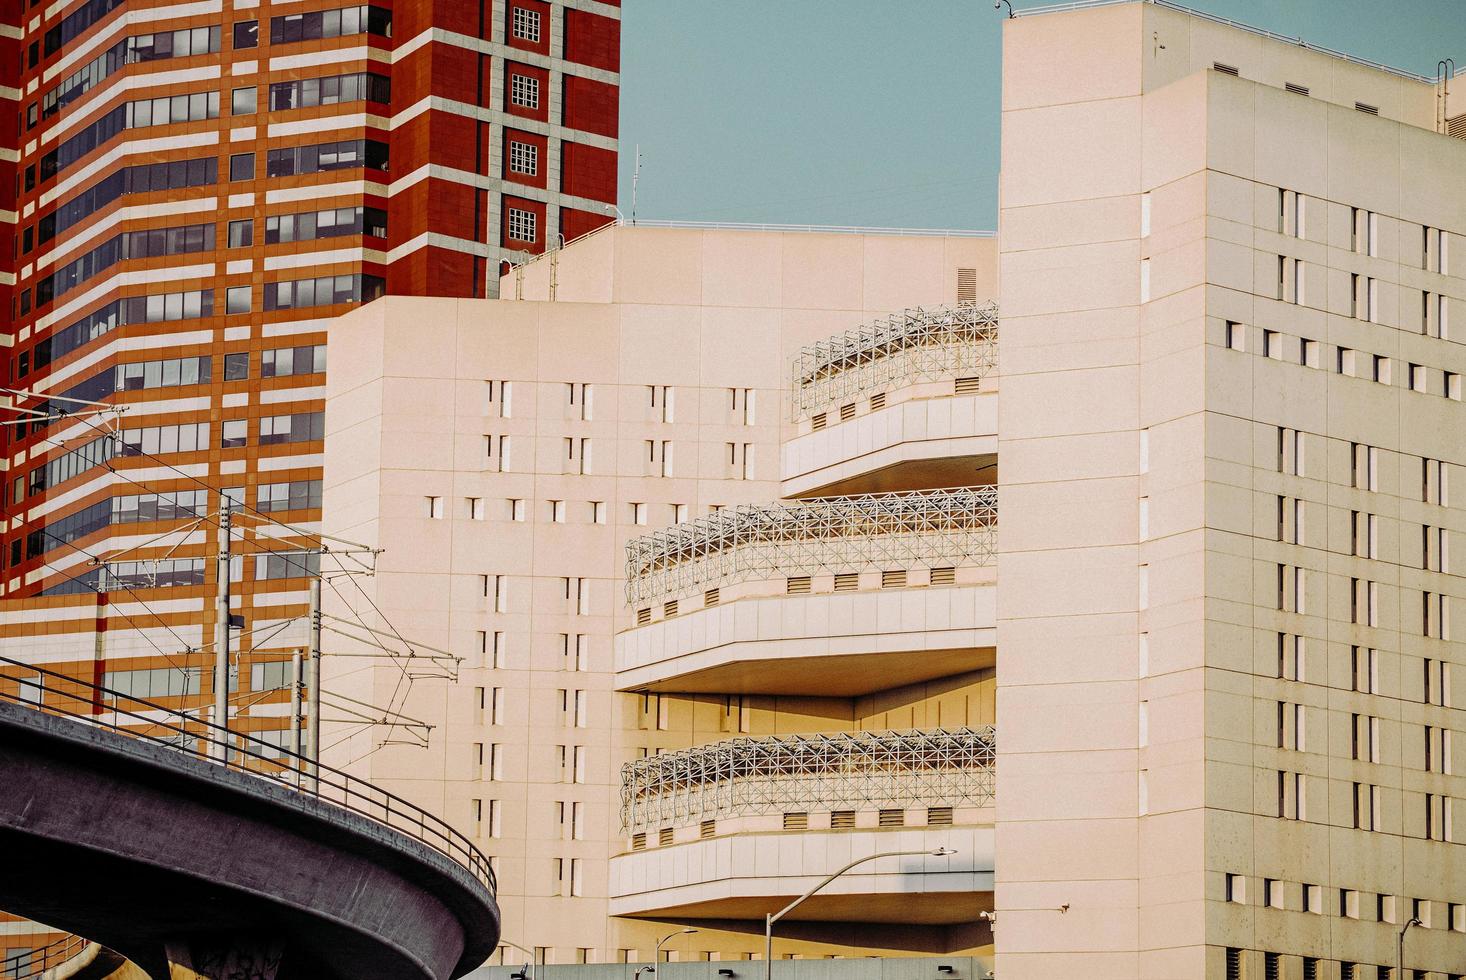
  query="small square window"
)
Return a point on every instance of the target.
[
  {"x": 1453, "y": 385},
  {"x": 243, "y": 101},
  {"x": 242, "y": 166},
  {"x": 1308, "y": 353},
  {"x": 1272, "y": 344},
  {"x": 246, "y": 34},
  {"x": 236, "y": 367},
  {"x": 527, "y": 24},
  {"x": 524, "y": 158},
  {"x": 524, "y": 91},
  {"x": 241, "y": 233},
  {"x": 238, "y": 299},
  {"x": 522, "y": 225},
  {"x": 1236, "y": 336},
  {"x": 233, "y": 434}
]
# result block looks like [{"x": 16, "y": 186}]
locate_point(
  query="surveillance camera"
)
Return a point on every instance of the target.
[{"x": 985, "y": 915}]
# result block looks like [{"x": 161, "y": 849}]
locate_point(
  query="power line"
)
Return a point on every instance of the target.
[{"x": 404, "y": 675}]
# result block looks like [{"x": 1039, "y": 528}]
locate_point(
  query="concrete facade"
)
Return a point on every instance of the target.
[
  {"x": 663, "y": 365},
  {"x": 1228, "y": 434}
]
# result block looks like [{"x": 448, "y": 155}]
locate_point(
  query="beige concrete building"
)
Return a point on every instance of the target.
[
  {"x": 755, "y": 692},
  {"x": 1231, "y": 424}
]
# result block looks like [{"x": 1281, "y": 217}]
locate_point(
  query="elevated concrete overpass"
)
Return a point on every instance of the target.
[{"x": 116, "y": 826}]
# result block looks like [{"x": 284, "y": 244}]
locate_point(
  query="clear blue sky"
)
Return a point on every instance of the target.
[{"x": 883, "y": 112}]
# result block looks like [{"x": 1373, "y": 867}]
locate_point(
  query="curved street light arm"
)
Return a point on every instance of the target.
[{"x": 773, "y": 917}]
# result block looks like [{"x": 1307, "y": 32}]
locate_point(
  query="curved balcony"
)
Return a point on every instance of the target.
[
  {"x": 838, "y": 771},
  {"x": 724, "y": 830},
  {"x": 755, "y": 599},
  {"x": 906, "y": 402}
]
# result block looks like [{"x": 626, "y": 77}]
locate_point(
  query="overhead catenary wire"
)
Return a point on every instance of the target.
[{"x": 404, "y": 681}]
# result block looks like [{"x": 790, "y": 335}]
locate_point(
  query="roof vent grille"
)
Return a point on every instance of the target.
[
  {"x": 1373, "y": 110},
  {"x": 1296, "y": 89},
  {"x": 967, "y": 285},
  {"x": 1225, "y": 69}
]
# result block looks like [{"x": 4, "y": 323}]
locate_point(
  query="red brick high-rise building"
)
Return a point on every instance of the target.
[{"x": 199, "y": 188}]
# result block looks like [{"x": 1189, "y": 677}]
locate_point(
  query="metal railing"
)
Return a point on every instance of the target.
[
  {"x": 35, "y": 962},
  {"x": 905, "y": 348},
  {"x": 821, "y": 535},
  {"x": 803, "y": 773},
  {"x": 1058, "y": 8},
  {"x": 54, "y": 693}
]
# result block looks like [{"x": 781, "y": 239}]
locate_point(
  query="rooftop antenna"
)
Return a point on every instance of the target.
[{"x": 635, "y": 176}]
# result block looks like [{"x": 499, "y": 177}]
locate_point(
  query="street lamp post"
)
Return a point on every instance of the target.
[
  {"x": 657, "y": 955},
  {"x": 531, "y": 964},
  {"x": 1400, "y": 947},
  {"x": 772, "y": 917}
]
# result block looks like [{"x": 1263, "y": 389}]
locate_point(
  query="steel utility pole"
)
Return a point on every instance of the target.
[
  {"x": 221, "y": 637},
  {"x": 313, "y": 688},
  {"x": 297, "y": 681}
]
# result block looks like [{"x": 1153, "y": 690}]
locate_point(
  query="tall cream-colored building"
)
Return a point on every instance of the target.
[{"x": 1231, "y": 439}]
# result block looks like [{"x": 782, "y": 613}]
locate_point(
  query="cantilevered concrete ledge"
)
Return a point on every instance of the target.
[
  {"x": 837, "y": 644},
  {"x": 136, "y": 846},
  {"x": 743, "y": 877},
  {"x": 948, "y": 441}
]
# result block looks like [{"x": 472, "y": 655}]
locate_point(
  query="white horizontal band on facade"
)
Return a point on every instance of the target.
[
  {"x": 317, "y": 192},
  {"x": 291, "y": 329},
  {"x": 103, "y": 479},
  {"x": 432, "y": 239},
  {"x": 307, "y": 260},
  {"x": 336, "y": 56},
  {"x": 178, "y": 141},
  {"x": 488, "y": 183},
  {"x": 325, "y": 124},
  {"x": 68, "y": 243},
  {"x": 137, "y": 277},
  {"x": 130, "y": 81},
  {"x": 133, "y": 15},
  {"x": 276, "y": 396},
  {"x": 501, "y": 52},
  {"x": 302, "y": 461}
]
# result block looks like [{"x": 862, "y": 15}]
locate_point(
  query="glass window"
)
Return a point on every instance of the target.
[
  {"x": 524, "y": 91},
  {"x": 243, "y": 101},
  {"x": 527, "y": 24},
  {"x": 241, "y": 233},
  {"x": 236, "y": 367},
  {"x": 521, "y": 225},
  {"x": 235, "y": 433},
  {"x": 246, "y": 34},
  {"x": 242, "y": 166},
  {"x": 238, "y": 299}
]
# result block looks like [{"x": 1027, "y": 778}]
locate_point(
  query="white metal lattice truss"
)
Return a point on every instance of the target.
[
  {"x": 905, "y": 348},
  {"x": 821, "y": 535},
  {"x": 800, "y": 773}
]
